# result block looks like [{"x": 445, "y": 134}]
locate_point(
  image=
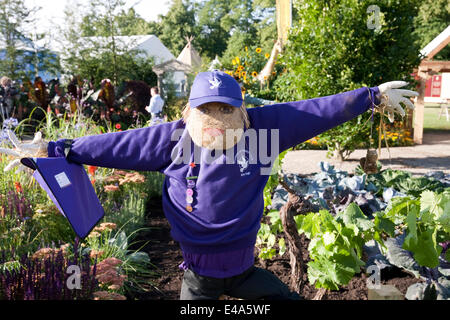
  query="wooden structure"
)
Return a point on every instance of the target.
[
  {"x": 169, "y": 66},
  {"x": 427, "y": 68},
  {"x": 186, "y": 62}
]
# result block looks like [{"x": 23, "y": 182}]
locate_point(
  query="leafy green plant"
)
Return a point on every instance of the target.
[
  {"x": 266, "y": 239},
  {"x": 272, "y": 182},
  {"x": 336, "y": 245},
  {"x": 426, "y": 222},
  {"x": 135, "y": 265},
  {"x": 403, "y": 181}
]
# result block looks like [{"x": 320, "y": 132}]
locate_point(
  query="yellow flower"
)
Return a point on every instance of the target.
[
  {"x": 233, "y": 62},
  {"x": 267, "y": 55},
  {"x": 254, "y": 74},
  {"x": 258, "y": 50},
  {"x": 246, "y": 48},
  {"x": 238, "y": 61}
]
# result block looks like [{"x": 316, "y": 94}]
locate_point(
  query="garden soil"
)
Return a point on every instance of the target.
[{"x": 165, "y": 255}]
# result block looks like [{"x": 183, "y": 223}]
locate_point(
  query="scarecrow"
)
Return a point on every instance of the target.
[{"x": 216, "y": 162}]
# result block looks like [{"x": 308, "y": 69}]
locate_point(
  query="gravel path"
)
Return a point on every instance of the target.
[{"x": 432, "y": 155}]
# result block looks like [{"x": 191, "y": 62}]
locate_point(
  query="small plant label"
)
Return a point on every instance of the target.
[{"x": 62, "y": 180}]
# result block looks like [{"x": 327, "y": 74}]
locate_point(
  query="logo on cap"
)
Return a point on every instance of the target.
[{"x": 214, "y": 83}]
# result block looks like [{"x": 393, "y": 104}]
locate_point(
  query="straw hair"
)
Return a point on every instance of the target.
[{"x": 187, "y": 110}]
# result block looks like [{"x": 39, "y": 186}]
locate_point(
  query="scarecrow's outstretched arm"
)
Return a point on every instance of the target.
[
  {"x": 301, "y": 120},
  {"x": 144, "y": 149}
]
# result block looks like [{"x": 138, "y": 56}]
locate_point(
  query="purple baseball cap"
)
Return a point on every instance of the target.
[{"x": 215, "y": 86}]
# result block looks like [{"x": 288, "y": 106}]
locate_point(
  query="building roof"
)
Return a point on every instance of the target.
[
  {"x": 150, "y": 45},
  {"x": 437, "y": 44},
  {"x": 171, "y": 66},
  {"x": 189, "y": 55}
]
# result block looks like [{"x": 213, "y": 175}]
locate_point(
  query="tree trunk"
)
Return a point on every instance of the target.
[
  {"x": 295, "y": 205},
  {"x": 338, "y": 152},
  {"x": 293, "y": 247}
]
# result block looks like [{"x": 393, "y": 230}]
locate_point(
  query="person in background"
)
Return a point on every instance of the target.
[
  {"x": 7, "y": 95},
  {"x": 156, "y": 106}
]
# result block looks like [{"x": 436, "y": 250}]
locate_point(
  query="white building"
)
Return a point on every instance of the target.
[{"x": 148, "y": 45}]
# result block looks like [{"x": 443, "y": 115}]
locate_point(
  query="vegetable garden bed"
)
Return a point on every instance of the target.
[
  {"x": 166, "y": 256},
  {"x": 410, "y": 271}
]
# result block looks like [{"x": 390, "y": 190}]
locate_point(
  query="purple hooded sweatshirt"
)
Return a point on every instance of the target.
[{"x": 217, "y": 237}]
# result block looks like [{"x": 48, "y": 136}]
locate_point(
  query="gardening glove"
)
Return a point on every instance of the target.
[
  {"x": 35, "y": 149},
  {"x": 391, "y": 97}
]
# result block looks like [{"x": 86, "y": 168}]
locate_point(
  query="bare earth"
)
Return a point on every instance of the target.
[{"x": 432, "y": 155}]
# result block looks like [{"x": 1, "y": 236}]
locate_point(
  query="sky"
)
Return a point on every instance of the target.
[{"x": 52, "y": 11}]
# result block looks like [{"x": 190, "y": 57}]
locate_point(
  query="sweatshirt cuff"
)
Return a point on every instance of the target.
[
  {"x": 59, "y": 148},
  {"x": 375, "y": 95}
]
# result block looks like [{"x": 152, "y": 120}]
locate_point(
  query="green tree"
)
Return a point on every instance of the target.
[
  {"x": 251, "y": 23},
  {"x": 178, "y": 24},
  {"x": 214, "y": 31},
  {"x": 126, "y": 23},
  {"x": 14, "y": 16},
  {"x": 432, "y": 19},
  {"x": 332, "y": 49},
  {"x": 98, "y": 52}
]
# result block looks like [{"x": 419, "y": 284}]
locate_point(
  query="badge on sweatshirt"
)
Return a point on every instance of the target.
[{"x": 190, "y": 193}]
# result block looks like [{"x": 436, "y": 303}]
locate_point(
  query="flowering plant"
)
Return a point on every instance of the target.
[{"x": 245, "y": 69}]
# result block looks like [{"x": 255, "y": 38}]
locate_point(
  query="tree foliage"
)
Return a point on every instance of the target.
[
  {"x": 432, "y": 19},
  {"x": 98, "y": 52},
  {"x": 19, "y": 55},
  {"x": 331, "y": 49},
  {"x": 178, "y": 24}
]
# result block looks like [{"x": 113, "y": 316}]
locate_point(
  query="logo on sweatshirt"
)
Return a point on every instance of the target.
[{"x": 242, "y": 159}]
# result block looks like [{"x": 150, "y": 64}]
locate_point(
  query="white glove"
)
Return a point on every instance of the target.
[
  {"x": 35, "y": 149},
  {"x": 391, "y": 97}
]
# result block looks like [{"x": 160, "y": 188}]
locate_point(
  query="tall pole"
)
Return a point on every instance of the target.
[{"x": 284, "y": 19}]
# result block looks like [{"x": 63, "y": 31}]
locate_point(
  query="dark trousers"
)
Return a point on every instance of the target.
[{"x": 254, "y": 283}]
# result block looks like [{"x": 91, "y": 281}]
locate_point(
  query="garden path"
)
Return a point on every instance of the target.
[{"x": 432, "y": 155}]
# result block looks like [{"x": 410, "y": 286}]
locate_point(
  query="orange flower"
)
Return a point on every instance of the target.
[
  {"x": 18, "y": 187},
  {"x": 254, "y": 74},
  {"x": 92, "y": 169},
  {"x": 93, "y": 181}
]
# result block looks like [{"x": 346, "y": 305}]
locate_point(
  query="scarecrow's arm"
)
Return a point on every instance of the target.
[
  {"x": 301, "y": 120},
  {"x": 144, "y": 149}
]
